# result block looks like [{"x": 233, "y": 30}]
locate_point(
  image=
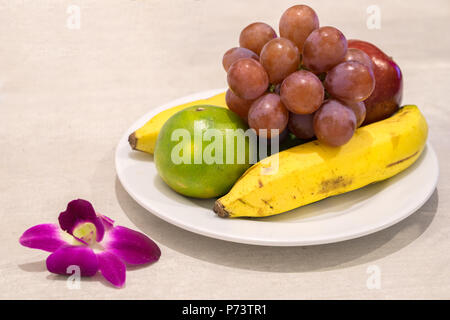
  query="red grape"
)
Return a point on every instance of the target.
[
  {"x": 280, "y": 57},
  {"x": 323, "y": 49},
  {"x": 302, "y": 92},
  {"x": 255, "y": 36},
  {"x": 354, "y": 54},
  {"x": 359, "y": 108},
  {"x": 235, "y": 54},
  {"x": 238, "y": 105},
  {"x": 350, "y": 81},
  {"x": 301, "y": 125},
  {"x": 247, "y": 78},
  {"x": 334, "y": 123},
  {"x": 268, "y": 112},
  {"x": 297, "y": 23}
]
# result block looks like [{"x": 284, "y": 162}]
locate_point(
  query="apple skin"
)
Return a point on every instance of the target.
[{"x": 386, "y": 98}]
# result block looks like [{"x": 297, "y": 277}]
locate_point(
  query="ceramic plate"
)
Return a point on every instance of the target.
[{"x": 338, "y": 218}]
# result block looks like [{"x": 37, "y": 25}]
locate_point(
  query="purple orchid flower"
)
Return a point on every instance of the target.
[{"x": 90, "y": 241}]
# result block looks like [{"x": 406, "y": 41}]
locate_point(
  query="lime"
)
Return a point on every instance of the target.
[{"x": 202, "y": 151}]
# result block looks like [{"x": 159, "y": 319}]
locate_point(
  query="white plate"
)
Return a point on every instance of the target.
[{"x": 339, "y": 218}]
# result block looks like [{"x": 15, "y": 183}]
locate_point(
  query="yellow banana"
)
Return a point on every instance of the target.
[
  {"x": 314, "y": 171},
  {"x": 144, "y": 138}
]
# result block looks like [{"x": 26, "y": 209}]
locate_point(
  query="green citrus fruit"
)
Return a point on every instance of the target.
[{"x": 197, "y": 151}]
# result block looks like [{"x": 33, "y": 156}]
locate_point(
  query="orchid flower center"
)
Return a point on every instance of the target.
[{"x": 86, "y": 232}]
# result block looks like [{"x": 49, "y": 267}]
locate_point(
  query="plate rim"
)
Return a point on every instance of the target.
[{"x": 336, "y": 237}]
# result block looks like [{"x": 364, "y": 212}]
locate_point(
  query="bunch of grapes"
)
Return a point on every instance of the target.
[{"x": 306, "y": 81}]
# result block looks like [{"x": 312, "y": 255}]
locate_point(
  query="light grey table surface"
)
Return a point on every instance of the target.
[{"x": 68, "y": 95}]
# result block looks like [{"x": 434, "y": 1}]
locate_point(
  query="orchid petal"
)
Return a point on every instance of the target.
[
  {"x": 77, "y": 212},
  {"x": 131, "y": 246},
  {"x": 67, "y": 256},
  {"x": 112, "y": 268},
  {"x": 108, "y": 223},
  {"x": 43, "y": 236}
]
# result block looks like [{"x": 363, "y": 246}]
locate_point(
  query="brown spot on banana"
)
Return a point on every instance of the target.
[
  {"x": 402, "y": 160},
  {"x": 245, "y": 203},
  {"x": 334, "y": 183},
  {"x": 267, "y": 203},
  {"x": 260, "y": 183}
]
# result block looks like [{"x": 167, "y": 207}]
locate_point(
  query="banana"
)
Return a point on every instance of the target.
[
  {"x": 314, "y": 171},
  {"x": 144, "y": 138}
]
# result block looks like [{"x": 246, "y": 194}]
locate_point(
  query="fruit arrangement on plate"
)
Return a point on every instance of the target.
[{"x": 328, "y": 109}]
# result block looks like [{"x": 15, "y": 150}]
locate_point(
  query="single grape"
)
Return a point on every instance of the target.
[
  {"x": 238, "y": 105},
  {"x": 255, "y": 36},
  {"x": 268, "y": 112},
  {"x": 302, "y": 92},
  {"x": 301, "y": 125},
  {"x": 354, "y": 54},
  {"x": 297, "y": 23},
  {"x": 323, "y": 49},
  {"x": 235, "y": 54},
  {"x": 359, "y": 108},
  {"x": 334, "y": 123},
  {"x": 280, "y": 57},
  {"x": 350, "y": 81},
  {"x": 247, "y": 78}
]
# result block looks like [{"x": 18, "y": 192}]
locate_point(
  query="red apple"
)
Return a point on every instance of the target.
[{"x": 387, "y": 95}]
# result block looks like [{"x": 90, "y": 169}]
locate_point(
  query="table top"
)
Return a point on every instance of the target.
[{"x": 67, "y": 95}]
